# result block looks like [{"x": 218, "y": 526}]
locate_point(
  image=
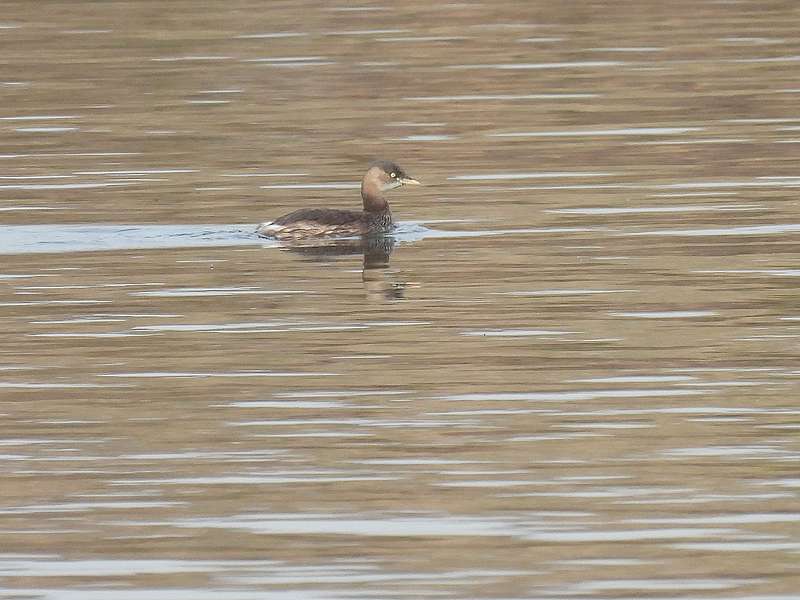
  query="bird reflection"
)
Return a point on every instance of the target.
[{"x": 376, "y": 251}]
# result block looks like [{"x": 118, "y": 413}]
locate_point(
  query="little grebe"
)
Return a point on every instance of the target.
[{"x": 376, "y": 218}]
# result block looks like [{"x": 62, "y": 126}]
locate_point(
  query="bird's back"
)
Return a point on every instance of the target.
[{"x": 315, "y": 221}]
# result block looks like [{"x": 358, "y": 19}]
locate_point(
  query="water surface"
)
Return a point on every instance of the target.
[{"x": 570, "y": 373}]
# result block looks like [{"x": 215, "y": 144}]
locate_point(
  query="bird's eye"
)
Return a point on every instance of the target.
[{"x": 393, "y": 175}]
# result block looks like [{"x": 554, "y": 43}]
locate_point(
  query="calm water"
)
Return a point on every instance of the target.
[{"x": 573, "y": 373}]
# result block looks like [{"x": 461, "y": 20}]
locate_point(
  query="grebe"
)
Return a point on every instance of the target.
[{"x": 376, "y": 218}]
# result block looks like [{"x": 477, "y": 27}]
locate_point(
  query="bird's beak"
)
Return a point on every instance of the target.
[{"x": 411, "y": 180}]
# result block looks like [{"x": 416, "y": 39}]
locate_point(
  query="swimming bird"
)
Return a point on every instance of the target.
[{"x": 376, "y": 218}]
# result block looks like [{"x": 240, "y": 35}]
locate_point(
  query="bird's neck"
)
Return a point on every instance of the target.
[{"x": 374, "y": 200}]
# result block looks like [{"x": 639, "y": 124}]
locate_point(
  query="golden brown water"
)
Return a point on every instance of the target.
[{"x": 575, "y": 374}]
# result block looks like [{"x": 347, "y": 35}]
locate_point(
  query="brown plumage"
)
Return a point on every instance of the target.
[{"x": 376, "y": 218}]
